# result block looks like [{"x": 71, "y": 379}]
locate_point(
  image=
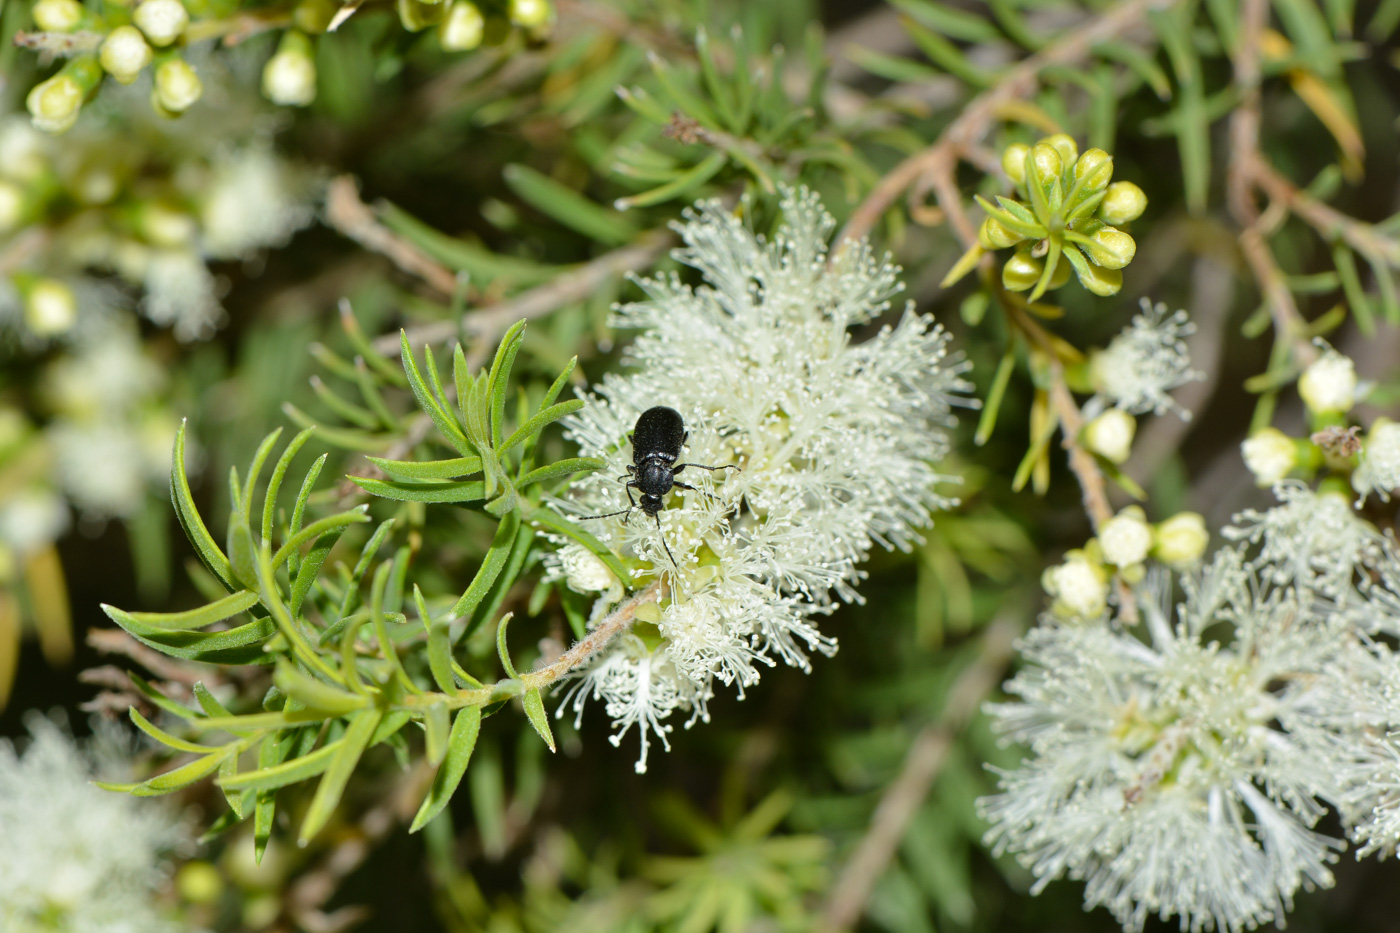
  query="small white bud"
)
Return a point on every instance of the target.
[
  {"x": 57, "y": 15},
  {"x": 1079, "y": 587},
  {"x": 1126, "y": 538},
  {"x": 11, "y": 206},
  {"x": 163, "y": 21},
  {"x": 1270, "y": 455},
  {"x": 1379, "y": 471},
  {"x": 1329, "y": 384},
  {"x": 1110, "y": 435},
  {"x": 54, "y": 104},
  {"x": 530, "y": 14},
  {"x": 289, "y": 77},
  {"x": 177, "y": 86},
  {"x": 1181, "y": 540},
  {"x": 585, "y": 573},
  {"x": 462, "y": 30},
  {"x": 50, "y": 308},
  {"x": 125, "y": 53}
]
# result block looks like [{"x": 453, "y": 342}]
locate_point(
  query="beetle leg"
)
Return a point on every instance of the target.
[
  {"x": 702, "y": 492},
  {"x": 701, "y": 466}
]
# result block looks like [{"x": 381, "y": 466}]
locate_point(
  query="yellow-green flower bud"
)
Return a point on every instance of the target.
[
  {"x": 165, "y": 225},
  {"x": 1093, "y": 171},
  {"x": 530, "y": 14},
  {"x": 1046, "y": 167},
  {"x": 462, "y": 30},
  {"x": 1064, "y": 145},
  {"x": 57, "y": 15},
  {"x": 199, "y": 883},
  {"x": 416, "y": 16},
  {"x": 1111, "y": 249},
  {"x": 125, "y": 53},
  {"x": 1270, "y": 455},
  {"x": 1110, "y": 435},
  {"x": 1181, "y": 540},
  {"x": 1021, "y": 272},
  {"x": 12, "y": 206},
  {"x": 289, "y": 77},
  {"x": 49, "y": 308},
  {"x": 1013, "y": 162},
  {"x": 54, "y": 104},
  {"x": 994, "y": 235},
  {"x": 313, "y": 16},
  {"x": 1124, "y": 202},
  {"x": 1102, "y": 282},
  {"x": 177, "y": 87},
  {"x": 163, "y": 21}
]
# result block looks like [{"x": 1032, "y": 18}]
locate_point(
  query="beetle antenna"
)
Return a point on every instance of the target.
[
  {"x": 585, "y": 518},
  {"x": 662, "y": 536}
]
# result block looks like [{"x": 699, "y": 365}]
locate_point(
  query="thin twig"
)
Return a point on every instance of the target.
[
  {"x": 619, "y": 621},
  {"x": 573, "y": 285},
  {"x": 354, "y": 218},
  {"x": 922, "y": 765}
]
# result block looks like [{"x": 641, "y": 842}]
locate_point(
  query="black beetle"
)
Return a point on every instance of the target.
[{"x": 657, "y": 439}]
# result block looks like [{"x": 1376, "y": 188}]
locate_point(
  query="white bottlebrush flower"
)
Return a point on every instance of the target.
[
  {"x": 1311, "y": 539},
  {"x": 637, "y": 687},
  {"x": 74, "y": 857},
  {"x": 181, "y": 292},
  {"x": 1143, "y": 364},
  {"x": 252, "y": 200},
  {"x": 106, "y": 373},
  {"x": 1177, "y": 775},
  {"x": 101, "y": 466},
  {"x": 836, "y": 441},
  {"x": 1379, "y": 470},
  {"x": 31, "y": 518}
]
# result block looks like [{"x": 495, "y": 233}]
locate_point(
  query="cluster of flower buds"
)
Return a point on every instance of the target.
[
  {"x": 1335, "y": 447},
  {"x": 1067, "y": 218},
  {"x": 1079, "y": 585},
  {"x": 150, "y": 34},
  {"x": 462, "y": 25},
  {"x": 129, "y": 38}
]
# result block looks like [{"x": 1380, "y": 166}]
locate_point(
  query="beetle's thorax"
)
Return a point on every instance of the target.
[{"x": 654, "y": 475}]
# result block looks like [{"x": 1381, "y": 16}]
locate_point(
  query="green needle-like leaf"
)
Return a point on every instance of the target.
[
  {"x": 460, "y": 745},
  {"x": 332, "y": 786}
]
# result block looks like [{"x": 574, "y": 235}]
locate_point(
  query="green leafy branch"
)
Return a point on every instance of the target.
[{"x": 349, "y": 670}]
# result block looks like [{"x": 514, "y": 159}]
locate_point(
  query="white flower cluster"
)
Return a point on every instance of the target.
[
  {"x": 111, "y": 437},
  {"x": 1142, "y": 365},
  {"x": 836, "y": 440},
  {"x": 1179, "y": 767},
  {"x": 74, "y": 857}
]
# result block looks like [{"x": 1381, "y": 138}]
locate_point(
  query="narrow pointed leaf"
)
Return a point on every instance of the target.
[
  {"x": 465, "y": 491},
  {"x": 337, "y": 776},
  {"x": 191, "y": 619},
  {"x": 534, "y": 711},
  {"x": 428, "y": 469},
  {"x": 460, "y": 745},
  {"x": 190, "y": 520}
]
